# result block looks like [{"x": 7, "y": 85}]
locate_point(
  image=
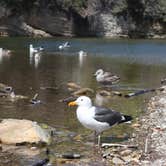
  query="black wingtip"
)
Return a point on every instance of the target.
[{"x": 126, "y": 118}]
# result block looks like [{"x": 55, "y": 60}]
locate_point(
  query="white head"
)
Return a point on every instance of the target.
[
  {"x": 60, "y": 47},
  {"x": 82, "y": 53},
  {"x": 30, "y": 46},
  {"x": 82, "y": 101},
  {"x": 99, "y": 72}
]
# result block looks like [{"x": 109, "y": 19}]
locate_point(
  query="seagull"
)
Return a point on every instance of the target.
[
  {"x": 106, "y": 77},
  {"x": 35, "y": 49},
  {"x": 97, "y": 118},
  {"x": 4, "y": 52},
  {"x": 64, "y": 45},
  {"x": 82, "y": 53}
]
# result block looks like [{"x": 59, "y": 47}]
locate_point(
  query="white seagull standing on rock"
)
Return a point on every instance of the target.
[
  {"x": 106, "y": 78},
  {"x": 96, "y": 118}
]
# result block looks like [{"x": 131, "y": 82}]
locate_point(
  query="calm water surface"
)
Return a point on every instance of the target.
[{"x": 140, "y": 64}]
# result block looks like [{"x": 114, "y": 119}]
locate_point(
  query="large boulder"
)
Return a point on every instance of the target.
[{"x": 14, "y": 131}]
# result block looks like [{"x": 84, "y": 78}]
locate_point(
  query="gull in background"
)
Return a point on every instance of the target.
[
  {"x": 64, "y": 45},
  {"x": 34, "y": 50},
  {"x": 106, "y": 78}
]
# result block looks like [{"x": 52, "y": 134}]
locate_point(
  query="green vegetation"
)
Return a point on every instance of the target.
[
  {"x": 18, "y": 5},
  {"x": 22, "y": 5}
]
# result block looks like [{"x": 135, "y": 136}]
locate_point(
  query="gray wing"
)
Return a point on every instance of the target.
[
  {"x": 112, "y": 78},
  {"x": 107, "y": 115},
  {"x": 107, "y": 74}
]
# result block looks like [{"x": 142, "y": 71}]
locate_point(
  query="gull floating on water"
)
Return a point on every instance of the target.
[
  {"x": 4, "y": 52},
  {"x": 82, "y": 53},
  {"x": 64, "y": 45},
  {"x": 34, "y": 50},
  {"x": 96, "y": 118},
  {"x": 106, "y": 77}
]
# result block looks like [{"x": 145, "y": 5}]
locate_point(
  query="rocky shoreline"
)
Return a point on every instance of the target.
[
  {"x": 152, "y": 131},
  {"x": 146, "y": 146}
]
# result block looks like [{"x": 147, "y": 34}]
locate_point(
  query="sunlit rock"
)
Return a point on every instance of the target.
[{"x": 14, "y": 131}]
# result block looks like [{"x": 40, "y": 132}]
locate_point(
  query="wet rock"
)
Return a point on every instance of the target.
[
  {"x": 83, "y": 91},
  {"x": 14, "y": 131},
  {"x": 42, "y": 162},
  {"x": 73, "y": 86},
  {"x": 104, "y": 93},
  {"x": 163, "y": 81},
  {"x": 71, "y": 156},
  {"x": 5, "y": 88}
]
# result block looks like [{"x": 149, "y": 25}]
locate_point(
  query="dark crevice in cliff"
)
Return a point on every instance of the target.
[{"x": 81, "y": 25}]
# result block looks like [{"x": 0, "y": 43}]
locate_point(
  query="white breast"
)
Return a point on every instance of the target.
[{"x": 86, "y": 117}]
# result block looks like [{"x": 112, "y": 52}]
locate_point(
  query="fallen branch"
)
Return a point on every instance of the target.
[
  {"x": 146, "y": 145},
  {"x": 143, "y": 92},
  {"x": 118, "y": 145}
]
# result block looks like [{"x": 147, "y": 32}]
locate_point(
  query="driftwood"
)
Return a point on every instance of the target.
[
  {"x": 34, "y": 100},
  {"x": 118, "y": 145},
  {"x": 48, "y": 88},
  {"x": 143, "y": 92},
  {"x": 146, "y": 145}
]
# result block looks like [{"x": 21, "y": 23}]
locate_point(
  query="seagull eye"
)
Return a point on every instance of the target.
[{"x": 81, "y": 99}]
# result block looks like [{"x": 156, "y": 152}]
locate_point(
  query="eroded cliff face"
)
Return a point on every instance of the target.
[{"x": 105, "y": 18}]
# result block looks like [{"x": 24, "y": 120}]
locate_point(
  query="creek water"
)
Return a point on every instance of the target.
[{"x": 140, "y": 64}]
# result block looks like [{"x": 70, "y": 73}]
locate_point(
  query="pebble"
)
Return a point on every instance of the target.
[
  {"x": 126, "y": 152},
  {"x": 33, "y": 148},
  {"x": 117, "y": 161}
]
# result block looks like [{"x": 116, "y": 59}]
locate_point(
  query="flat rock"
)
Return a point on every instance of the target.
[
  {"x": 117, "y": 161},
  {"x": 14, "y": 131}
]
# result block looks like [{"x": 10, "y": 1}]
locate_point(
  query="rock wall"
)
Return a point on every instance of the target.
[{"x": 104, "y": 18}]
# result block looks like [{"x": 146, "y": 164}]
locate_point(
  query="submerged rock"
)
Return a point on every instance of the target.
[
  {"x": 83, "y": 91},
  {"x": 14, "y": 131},
  {"x": 42, "y": 162},
  {"x": 73, "y": 86}
]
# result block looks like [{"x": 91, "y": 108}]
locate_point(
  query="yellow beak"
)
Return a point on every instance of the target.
[{"x": 73, "y": 103}]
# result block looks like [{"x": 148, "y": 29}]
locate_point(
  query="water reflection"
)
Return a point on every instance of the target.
[
  {"x": 35, "y": 59},
  {"x": 82, "y": 57},
  {"x": 4, "y": 53}
]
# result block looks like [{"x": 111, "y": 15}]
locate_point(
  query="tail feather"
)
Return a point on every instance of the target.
[{"x": 126, "y": 118}]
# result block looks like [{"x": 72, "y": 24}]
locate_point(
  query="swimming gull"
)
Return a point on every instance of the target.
[
  {"x": 64, "y": 45},
  {"x": 35, "y": 49},
  {"x": 97, "y": 118},
  {"x": 106, "y": 78}
]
